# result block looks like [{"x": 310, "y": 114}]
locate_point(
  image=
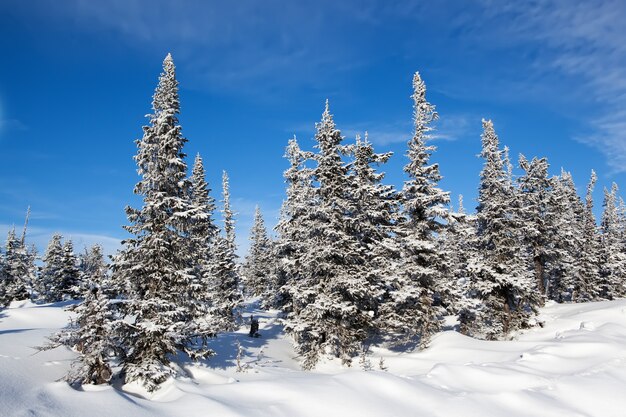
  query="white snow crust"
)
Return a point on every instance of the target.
[{"x": 575, "y": 365}]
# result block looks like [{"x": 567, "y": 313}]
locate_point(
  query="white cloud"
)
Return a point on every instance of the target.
[
  {"x": 41, "y": 236},
  {"x": 587, "y": 42}
]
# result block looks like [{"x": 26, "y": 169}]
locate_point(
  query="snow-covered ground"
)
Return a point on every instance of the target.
[{"x": 574, "y": 366}]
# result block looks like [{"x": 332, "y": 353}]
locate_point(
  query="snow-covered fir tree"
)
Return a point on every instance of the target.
[
  {"x": 586, "y": 287},
  {"x": 612, "y": 259},
  {"x": 90, "y": 335},
  {"x": 538, "y": 220},
  {"x": 258, "y": 266},
  {"x": 457, "y": 241},
  {"x": 223, "y": 268},
  {"x": 331, "y": 311},
  {"x": 71, "y": 286},
  {"x": 568, "y": 212},
  {"x": 93, "y": 269},
  {"x": 373, "y": 213},
  {"x": 410, "y": 309},
  {"x": 202, "y": 233},
  {"x": 50, "y": 285},
  {"x": 17, "y": 270},
  {"x": 156, "y": 265},
  {"x": 499, "y": 277},
  {"x": 292, "y": 228}
]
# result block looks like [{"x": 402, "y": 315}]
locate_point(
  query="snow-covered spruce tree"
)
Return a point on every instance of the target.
[
  {"x": 372, "y": 216},
  {"x": 612, "y": 265},
  {"x": 155, "y": 263},
  {"x": 202, "y": 233},
  {"x": 373, "y": 210},
  {"x": 410, "y": 309},
  {"x": 586, "y": 288},
  {"x": 51, "y": 277},
  {"x": 621, "y": 228},
  {"x": 457, "y": 241},
  {"x": 89, "y": 334},
  {"x": 258, "y": 265},
  {"x": 3, "y": 301},
  {"x": 93, "y": 270},
  {"x": 70, "y": 287},
  {"x": 292, "y": 227},
  {"x": 568, "y": 212},
  {"x": 17, "y": 270},
  {"x": 331, "y": 304},
  {"x": 499, "y": 278},
  {"x": 538, "y": 220},
  {"x": 223, "y": 268}
]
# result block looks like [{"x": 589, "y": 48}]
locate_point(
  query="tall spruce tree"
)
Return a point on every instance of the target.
[
  {"x": 373, "y": 214},
  {"x": 457, "y": 241},
  {"x": 202, "y": 233},
  {"x": 258, "y": 265},
  {"x": 155, "y": 263},
  {"x": 499, "y": 278},
  {"x": 568, "y": 237},
  {"x": 411, "y": 310},
  {"x": 292, "y": 228},
  {"x": 586, "y": 287},
  {"x": 612, "y": 259},
  {"x": 538, "y": 219},
  {"x": 330, "y": 312},
  {"x": 224, "y": 272}
]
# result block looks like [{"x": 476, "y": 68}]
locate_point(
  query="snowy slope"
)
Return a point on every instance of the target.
[{"x": 574, "y": 366}]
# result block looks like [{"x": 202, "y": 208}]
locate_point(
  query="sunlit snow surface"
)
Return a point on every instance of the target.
[{"x": 574, "y": 366}]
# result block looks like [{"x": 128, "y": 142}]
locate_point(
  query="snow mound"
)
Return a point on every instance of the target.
[{"x": 574, "y": 365}]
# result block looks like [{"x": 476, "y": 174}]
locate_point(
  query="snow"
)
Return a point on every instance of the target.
[{"x": 575, "y": 365}]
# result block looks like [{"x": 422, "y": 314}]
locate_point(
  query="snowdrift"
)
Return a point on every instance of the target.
[{"x": 574, "y": 366}]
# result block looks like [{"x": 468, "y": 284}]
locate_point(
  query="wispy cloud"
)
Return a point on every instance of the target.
[
  {"x": 380, "y": 133},
  {"x": 586, "y": 42},
  {"x": 41, "y": 236},
  {"x": 449, "y": 127},
  {"x": 247, "y": 46}
]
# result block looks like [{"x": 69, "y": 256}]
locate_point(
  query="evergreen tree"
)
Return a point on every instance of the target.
[
  {"x": 586, "y": 288},
  {"x": 499, "y": 278},
  {"x": 156, "y": 265},
  {"x": 457, "y": 241},
  {"x": 3, "y": 281},
  {"x": 16, "y": 271},
  {"x": 93, "y": 269},
  {"x": 292, "y": 227},
  {"x": 90, "y": 334},
  {"x": 202, "y": 235},
  {"x": 612, "y": 265},
  {"x": 258, "y": 265},
  {"x": 373, "y": 213},
  {"x": 410, "y": 309},
  {"x": 538, "y": 219},
  {"x": 568, "y": 237},
  {"x": 51, "y": 279},
  {"x": 70, "y": 286},
  {"x": 330, "y": 300},
  {"x": 224, "y": 268}
]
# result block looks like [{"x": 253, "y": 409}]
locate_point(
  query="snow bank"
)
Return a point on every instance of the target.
[{"x": 574, "y": 366}]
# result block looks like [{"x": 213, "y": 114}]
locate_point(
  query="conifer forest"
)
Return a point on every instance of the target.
[{"x": 354, "y": 265}]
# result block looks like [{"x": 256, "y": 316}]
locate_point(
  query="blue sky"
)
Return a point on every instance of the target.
[{"x": 77, "y": 78}]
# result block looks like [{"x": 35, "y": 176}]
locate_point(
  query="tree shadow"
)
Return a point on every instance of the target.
[{"x": 10, "y": 331}]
